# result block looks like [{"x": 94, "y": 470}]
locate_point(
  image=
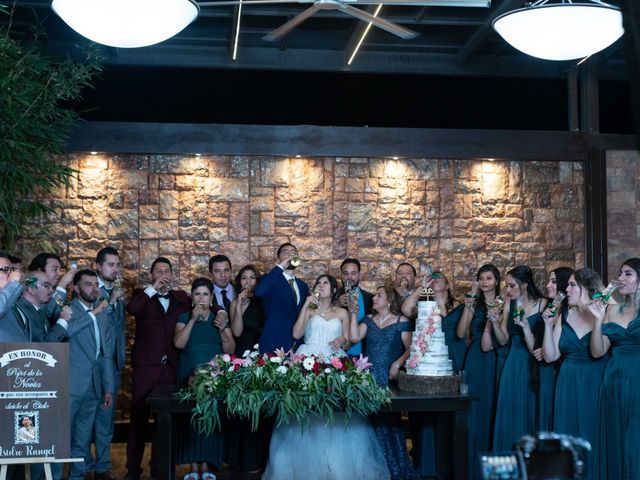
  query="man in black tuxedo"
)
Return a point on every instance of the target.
[
  {"x": 350, "y": 274},
  {"x": 154, "y": 358}
]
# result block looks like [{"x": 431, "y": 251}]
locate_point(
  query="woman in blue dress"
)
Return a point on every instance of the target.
[
  {"x": 567, "y": 335},
  {"x": 618, "y": 330},
  {"x": 480, "y": 363},
  {"x": 516, "y": 409},
  {"x": 547, "y": 371},
  {"x": 424, "y": 427},
  {"x": 388, "y": 335},
  {"x": 200, "y": 336}
]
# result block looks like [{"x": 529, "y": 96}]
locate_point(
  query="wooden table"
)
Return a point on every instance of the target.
[{"x": 455, "y": 408}]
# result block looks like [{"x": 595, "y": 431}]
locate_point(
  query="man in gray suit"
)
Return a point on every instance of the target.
[
  {"x": 91, "y": 366},
  {"x": 51, "y": 265},
  {"x": 10, "y": 290},
  {"x": 110, "y": 283},
  {"x": 31, "y": 308}
]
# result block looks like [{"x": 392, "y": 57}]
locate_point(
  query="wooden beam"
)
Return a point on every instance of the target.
[
  {"x": 481, "y": 34},
  {"x": 172, "y": 138}
]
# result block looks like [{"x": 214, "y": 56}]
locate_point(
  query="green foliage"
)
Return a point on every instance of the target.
[
  {"x": 34, "y": 128},
  {"x": 285, "y": 386}
]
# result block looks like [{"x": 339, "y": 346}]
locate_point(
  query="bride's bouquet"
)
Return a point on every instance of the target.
[{"x": 284, "y": 385}]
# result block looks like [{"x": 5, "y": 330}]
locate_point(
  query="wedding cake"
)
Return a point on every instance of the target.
[{"x": 429, "y": 368}]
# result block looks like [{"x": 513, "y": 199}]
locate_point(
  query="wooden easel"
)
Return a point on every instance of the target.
[{"x": 47, "y": 461}]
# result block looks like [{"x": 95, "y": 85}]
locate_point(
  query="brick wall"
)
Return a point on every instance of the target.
[{"x": 623, "y": 207}]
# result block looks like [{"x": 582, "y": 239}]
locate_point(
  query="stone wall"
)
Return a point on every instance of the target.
[
  {"x": 453, "y": 214},
  {"x": 623, "y": 208}
]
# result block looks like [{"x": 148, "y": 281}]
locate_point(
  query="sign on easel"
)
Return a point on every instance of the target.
[{"x": 34, "y": 400}]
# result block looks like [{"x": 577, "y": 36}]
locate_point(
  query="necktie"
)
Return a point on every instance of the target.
[
  {"x": 225, "y": 300},
  {"x": 292, "y": 282}
]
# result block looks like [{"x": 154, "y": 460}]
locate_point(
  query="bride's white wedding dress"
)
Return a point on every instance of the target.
[{"x": 319, "y": 451}]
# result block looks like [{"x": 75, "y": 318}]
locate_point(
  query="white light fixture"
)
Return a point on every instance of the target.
[
  {"x": 127, "y": 23},
  {"x": 561, "y": 31},
  {"x": 364, "y": 35}
]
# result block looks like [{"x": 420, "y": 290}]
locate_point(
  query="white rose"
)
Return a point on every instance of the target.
[
  {"x": 327, "y": 370},
  {"x": 246, "y": 353},
  {"x": 226, "y": 358},
  {"x": 281, "y": 369},
  {"x": 275, "y": 360}
]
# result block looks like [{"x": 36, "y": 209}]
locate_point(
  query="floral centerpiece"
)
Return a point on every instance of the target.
[{"x": 283, "y": 385}]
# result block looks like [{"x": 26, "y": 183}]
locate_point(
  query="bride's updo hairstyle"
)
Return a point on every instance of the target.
[{"x": 334, "y": 285}]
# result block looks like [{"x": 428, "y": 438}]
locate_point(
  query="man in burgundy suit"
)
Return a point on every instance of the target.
[{"x": 154, "y": 358}]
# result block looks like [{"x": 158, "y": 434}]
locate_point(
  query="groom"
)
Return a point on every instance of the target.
[{"x": 282, "y": 296}]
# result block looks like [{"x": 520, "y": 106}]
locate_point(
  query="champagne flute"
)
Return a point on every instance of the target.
[
  {"x": 248, "y": 292},
  {"x": 606, "y": 294},
  {"x": 556, "y": 303},
  {"x": 519, "y": 308},
  {"x": 295, "y": 260},
  {"x": 315, "y": 297}
]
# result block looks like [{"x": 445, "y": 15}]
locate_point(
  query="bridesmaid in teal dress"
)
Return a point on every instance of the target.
[
  {"x": 480, "y": 363},
  {"x": 516, "y": 409},
  {"x": 200, "y": 336},
  {"x": 547, "y": 371},
  {"x": 567, "y": 335},
  {"x": 618, "y": 330}
]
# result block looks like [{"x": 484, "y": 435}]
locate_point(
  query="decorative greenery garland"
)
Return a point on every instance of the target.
[{"x": 283, "y": 385}]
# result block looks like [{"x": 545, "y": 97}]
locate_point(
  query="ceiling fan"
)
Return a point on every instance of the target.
[
  {"x": 347, "y": 7},
  {"x": 140, "y": 23}
]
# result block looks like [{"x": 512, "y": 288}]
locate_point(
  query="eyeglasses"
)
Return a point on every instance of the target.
[
  {"x": 8, "y": 269},
  {"x": 46, "y": 285}
]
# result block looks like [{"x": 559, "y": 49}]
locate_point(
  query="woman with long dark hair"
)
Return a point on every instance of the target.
[
  {"x": 480, "y": 365},
  {"x": 567, "y": 335},
  {"x": 546, "y": 372},
  {"x": 618, "y": 330},
  {"x": 247, "y": 450},
  {"x": 517, "y": 396}
]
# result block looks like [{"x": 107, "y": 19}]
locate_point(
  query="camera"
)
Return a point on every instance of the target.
[{"x": 544, "y": 455}]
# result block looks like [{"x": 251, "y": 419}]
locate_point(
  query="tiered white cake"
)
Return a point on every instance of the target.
[{"x": 429, "y": 354}]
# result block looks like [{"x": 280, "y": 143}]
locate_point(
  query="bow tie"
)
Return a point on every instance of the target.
[{"x": 165, "y": 296}]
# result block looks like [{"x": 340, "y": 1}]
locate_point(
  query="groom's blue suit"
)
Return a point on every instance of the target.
[{"x": 281, "y": 309}]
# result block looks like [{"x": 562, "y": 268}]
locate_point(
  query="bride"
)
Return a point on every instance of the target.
[{"x": 320, "y": 451}]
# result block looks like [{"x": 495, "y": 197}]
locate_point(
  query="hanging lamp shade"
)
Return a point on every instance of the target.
[
  {"x": 127, "y": 23},
  {"x": 561, "y": 31}
]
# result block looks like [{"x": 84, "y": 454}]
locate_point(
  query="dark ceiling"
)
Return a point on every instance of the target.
[{"x": 457, "y": 73}]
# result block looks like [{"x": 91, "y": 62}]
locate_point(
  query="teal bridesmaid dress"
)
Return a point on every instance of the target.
[
  {"x": 578, "y": 391},
  {"x": 516, "y": 409},
  {"x": 480, "y": 368},
  {"x": 457, "y": 346},
  {"x": 620, "y": 404}
]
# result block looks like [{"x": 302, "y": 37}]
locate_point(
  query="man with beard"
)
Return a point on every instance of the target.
[
  {"x": 30, "y": 309},
  {"x": 154, "y": 358},
  {"x": 51, "y": 265},
  {"x": 282, "y": 296},
  {"x": 111, "y": 290},
  {"x": 350, "y": 273},
  {"x": 91, "y": 366}
]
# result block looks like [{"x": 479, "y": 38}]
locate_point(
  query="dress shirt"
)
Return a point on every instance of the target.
[{"x": 150, "y": 291}]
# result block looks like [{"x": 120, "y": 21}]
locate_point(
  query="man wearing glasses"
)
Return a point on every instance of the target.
[
  {"x": 10, "y": 290},
  {"x": 31, "y": 308}
]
